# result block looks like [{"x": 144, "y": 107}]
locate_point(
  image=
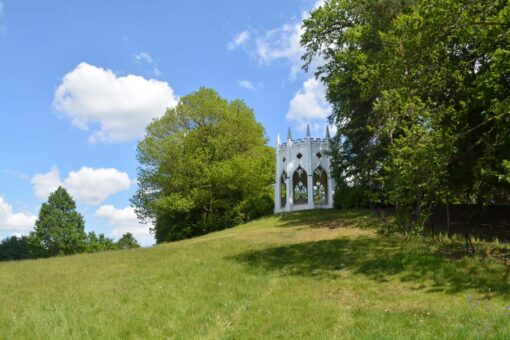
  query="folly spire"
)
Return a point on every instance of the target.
[
  {"x": 307, "y": 130},
  {"x": 289, "y": 135},
  {"x": 278, "y": 141},
  {"x": 327, "y": 132}
]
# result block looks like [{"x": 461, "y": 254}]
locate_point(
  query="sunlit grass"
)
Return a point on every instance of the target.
[{"x": 320, "y": 274}]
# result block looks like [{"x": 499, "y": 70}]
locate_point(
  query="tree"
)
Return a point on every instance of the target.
[
  {"x": 59, "y": 229},
  {"x": 14, "y": 248},
  {"x": 127, "y": 241},
  {"x": 421, "y": 93},
  {"x": 94, "y": 243},
  {"x": 205, "y": 167}
]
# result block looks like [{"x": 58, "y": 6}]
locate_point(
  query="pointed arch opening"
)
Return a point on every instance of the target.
[
  {"x": 283, "y": 189},
  {"x": 320, "y": 186},
  {"x": 300, "y": 186}
]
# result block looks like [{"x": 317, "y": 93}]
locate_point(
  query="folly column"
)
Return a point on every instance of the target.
[
  {"x": 309, "y": 168},
  {"x": 290, "y": 190},
  {"x": 331, "y": 183}
]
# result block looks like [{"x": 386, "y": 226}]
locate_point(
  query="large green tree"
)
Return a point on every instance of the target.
[
  {"x": 205, "y": 166},
  {"x": 59, "y": 229},
  {"x": 421, "y": 94}
]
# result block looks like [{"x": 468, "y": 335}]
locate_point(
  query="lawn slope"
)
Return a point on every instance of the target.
[{"x": 320, "y": 274}]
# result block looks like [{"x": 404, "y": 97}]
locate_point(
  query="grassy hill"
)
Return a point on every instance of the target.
[{"x": 320, "y": 274}]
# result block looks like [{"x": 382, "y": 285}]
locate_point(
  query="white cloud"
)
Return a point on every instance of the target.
[
  {"x": 270, "y": 45},
  {"x": 123, "y": 221},
  {"x": 247, "y": 85},
  {"x": 239, "y": 40},
  {"x": 281, "y": 43},
  {"x": 14, "y": 222},
  {"x": 93, "y": 186},
  {"x": 16, "y": 174},
  {"x": 147, "y": 58},
  {"x": 87, "y": 185},
  {"x": 309, "y": 105},
  {"x": 44, "y": 184},
  {"x": 116, "y": 108}
]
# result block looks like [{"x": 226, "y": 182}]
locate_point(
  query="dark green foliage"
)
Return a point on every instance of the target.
[
  {"x": 205, "y": 167},
  {"x": 59, "y": 229},
  {"x": 421, "y": 94},
  {"x": 257, "y": 206},
  {"x": 349, "y": 197},
  {"x": 94, "y": 243},
  {"x": 14, "y": 248},
  {"x": 127, "y": 241}
]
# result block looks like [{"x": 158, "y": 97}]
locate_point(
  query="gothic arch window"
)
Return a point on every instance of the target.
[
  {"x": 320, "y": 186},
  {"x": 300, "y": 186},
  {"x": 283, "y": 189}
]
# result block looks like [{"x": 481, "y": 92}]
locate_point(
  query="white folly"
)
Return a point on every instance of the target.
[{"x": 303, "y": 178}]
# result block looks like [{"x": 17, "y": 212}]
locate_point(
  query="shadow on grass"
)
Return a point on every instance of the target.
[
  {"x": 382, "y": 259},
  {"x": 330, "y": 218}
]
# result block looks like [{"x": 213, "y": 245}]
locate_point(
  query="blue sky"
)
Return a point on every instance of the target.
[{"x": 79, "y": 80}]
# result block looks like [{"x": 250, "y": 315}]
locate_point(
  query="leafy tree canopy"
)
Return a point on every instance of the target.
[
  {"x": 127, "y": 241},
  {"x": 421, "y": 95},
  {"x": 205, "y": 166},
  {"x": 59, "y": 229},
  {"x": 95, "y": 243}
]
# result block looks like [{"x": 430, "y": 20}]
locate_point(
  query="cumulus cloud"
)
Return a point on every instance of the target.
[
  {"x": 239, "y": 40},
  {"x": 46, "y": 183},
  {"x": 115, "y": 108},
  {"x": 309, "y": 105},
  {"x": 125, "y": 221},
  {"x": 147, "y": 59},
  {"x": 87, "y": 185},
  {"x": 18, "y": 222}
]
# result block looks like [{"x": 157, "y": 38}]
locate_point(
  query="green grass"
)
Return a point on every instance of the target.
[{"x": 319, "y": 275}]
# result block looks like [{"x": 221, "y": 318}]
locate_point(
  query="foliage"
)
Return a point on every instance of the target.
[
  {"x": 421, "y": 95},
  {"x": 59, "y": 229},
  {"x": 14, "y": 248},
  {"x": 95, "y": 243},
  {"x": 305, "y": 275},
  {"x": 205, "y": 166},
  {"x": 127, "y": 241}
]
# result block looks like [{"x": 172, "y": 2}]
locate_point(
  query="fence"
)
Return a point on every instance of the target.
[{"x": 483, "y": 222}]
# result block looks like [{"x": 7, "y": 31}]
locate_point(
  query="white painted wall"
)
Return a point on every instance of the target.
[{"x": 308, "y": 147}]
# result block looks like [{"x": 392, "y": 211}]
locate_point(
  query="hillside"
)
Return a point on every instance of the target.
[{"x": 320, "y": 274}]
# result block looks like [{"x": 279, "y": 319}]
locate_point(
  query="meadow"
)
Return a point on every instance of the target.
[{"x": 317, "y": 274}]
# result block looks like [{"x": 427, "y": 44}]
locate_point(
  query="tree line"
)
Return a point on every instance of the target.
[
  {"x": 420, "y": 94},
  {"x": 60, "y": 230}
]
